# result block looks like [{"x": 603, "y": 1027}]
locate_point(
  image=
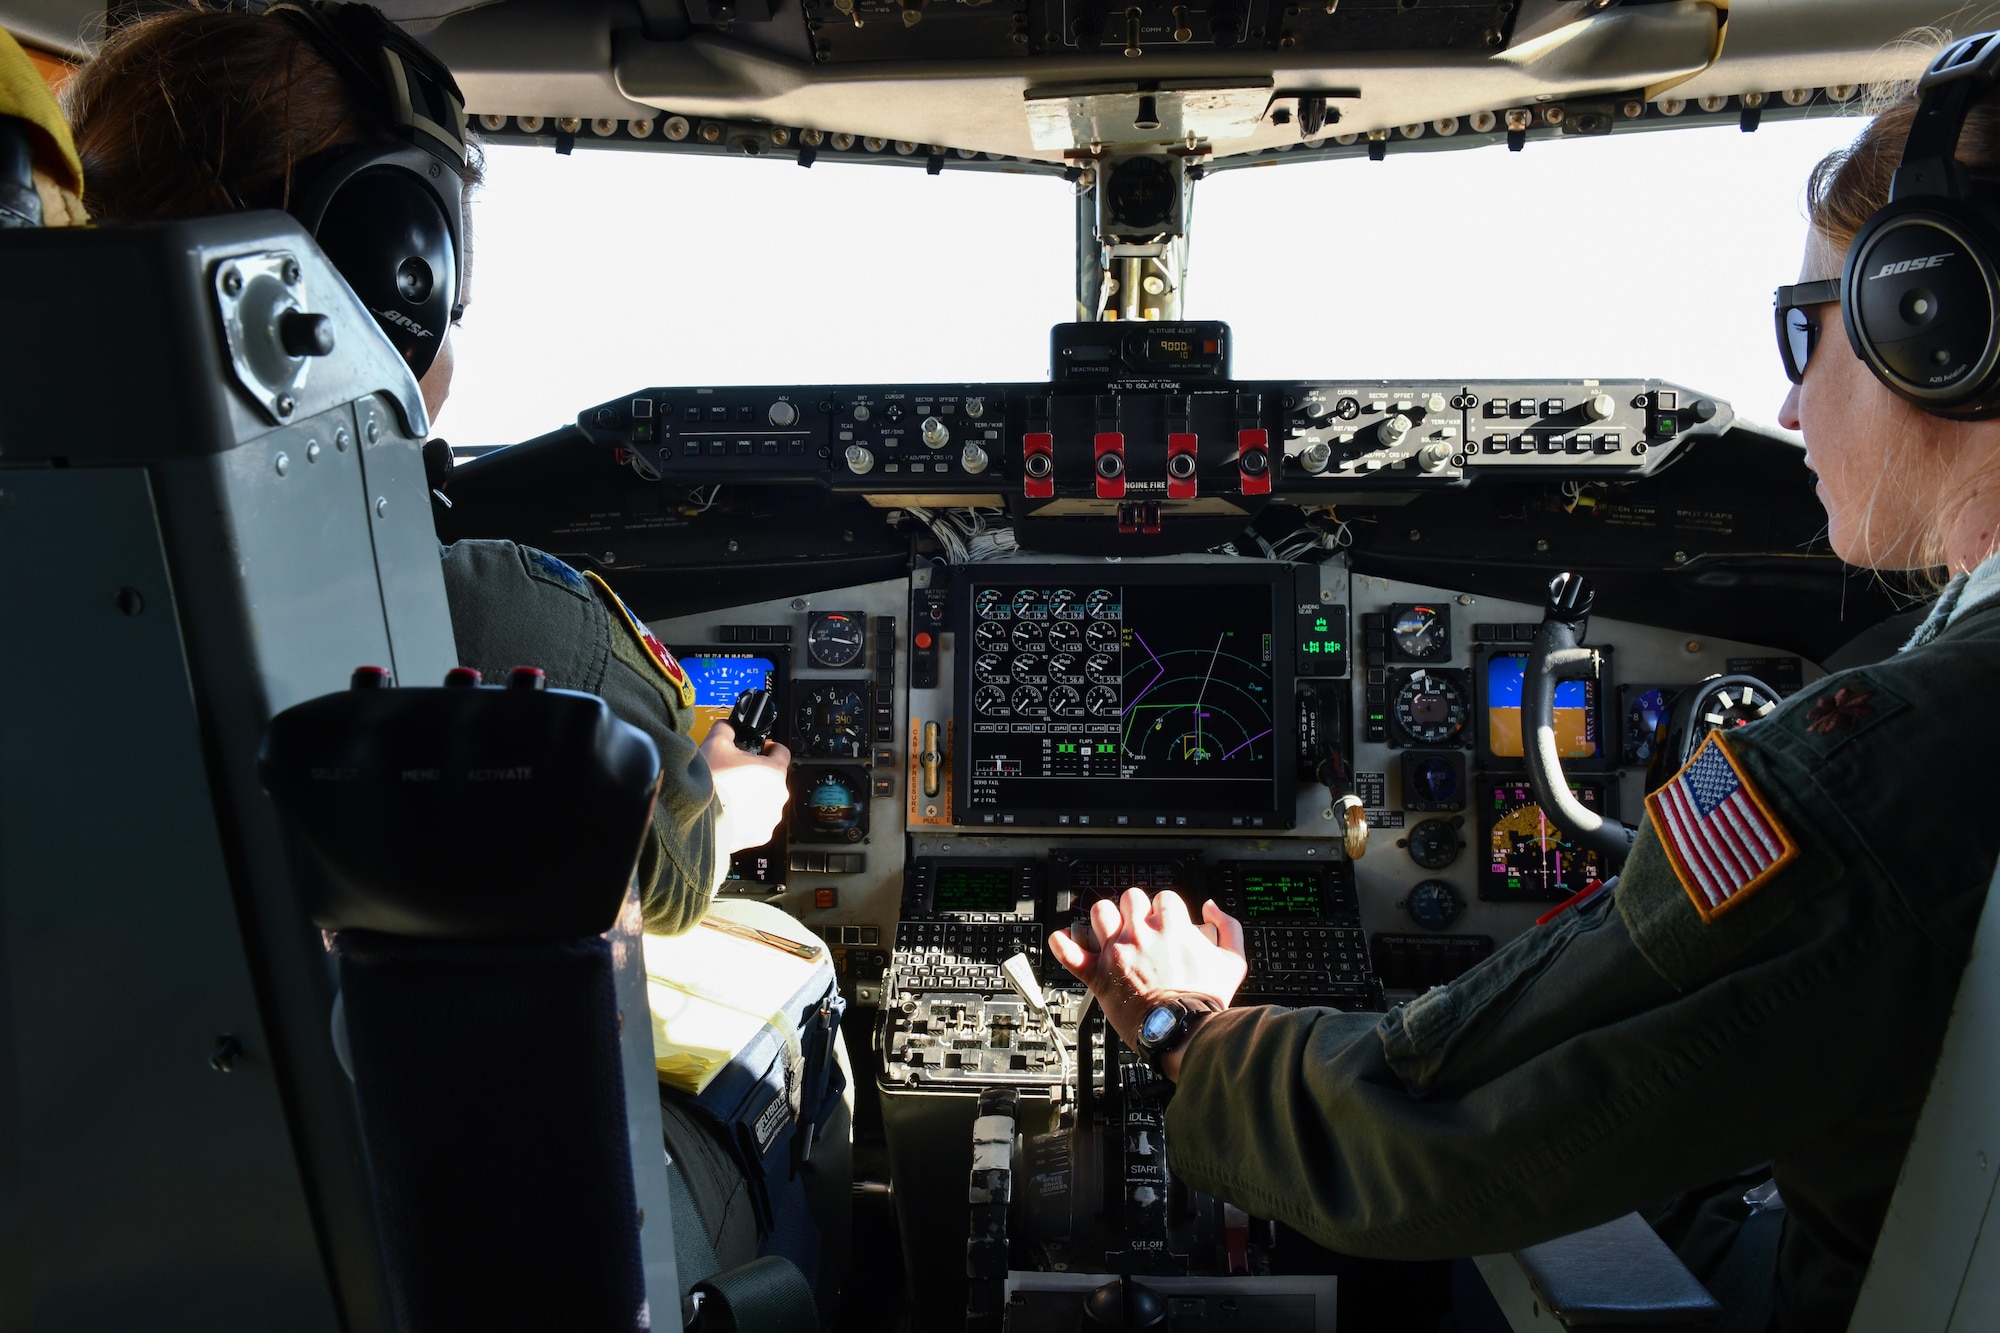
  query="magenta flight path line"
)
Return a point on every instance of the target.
[
  {"x": 1252, "y": 741},
  {"x": 1155, "y": 681}
]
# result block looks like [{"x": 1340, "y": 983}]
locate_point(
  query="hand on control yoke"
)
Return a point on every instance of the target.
[
  {"x": 749, "y": 788},
  {"x": 1149, "y": 949}
]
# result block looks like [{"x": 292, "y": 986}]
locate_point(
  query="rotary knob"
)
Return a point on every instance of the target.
[
  {"x": 1434, "y": 456},
  {"x": 782, "y": 414},
  {"x": 1392, "y": 430},
  {"x": 934, "y": 433},
  {"x": 859, "y": 460},
  {"x": 975, "y": 408},
  {"x": 973, "y": 458},
  {"x": 861, "y": 412},
  {"x": 1599, "y": 406},
  {"x": 1434, "y": 403},
  {"x": 1315, "y": 456}
]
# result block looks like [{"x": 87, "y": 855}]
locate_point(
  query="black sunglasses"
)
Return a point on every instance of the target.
[{"x": 1798, "y": 332}]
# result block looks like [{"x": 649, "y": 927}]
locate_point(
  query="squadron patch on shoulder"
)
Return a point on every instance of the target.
[
  {"x": 657, "y": 651},
  {"x": 557, "y": 570},
  {"x": 1721, "y": 837}
]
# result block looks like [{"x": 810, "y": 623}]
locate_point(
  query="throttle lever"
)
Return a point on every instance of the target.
[{"x": 752, "y": 718}]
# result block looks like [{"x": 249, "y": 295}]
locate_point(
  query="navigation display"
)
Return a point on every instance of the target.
[
  {"x": 1528, "y": 857},
  {"x": 1100, "y": 696}
]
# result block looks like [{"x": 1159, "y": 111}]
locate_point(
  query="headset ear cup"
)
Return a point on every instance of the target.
[
  {"x": 384, "y": 231},
  {"x": 1920, "y": 299}
]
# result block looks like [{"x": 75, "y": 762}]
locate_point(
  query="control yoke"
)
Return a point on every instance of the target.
[{"x": 1559, "y": 655}]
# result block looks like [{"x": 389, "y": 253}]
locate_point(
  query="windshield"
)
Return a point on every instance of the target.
[
  {"x": 602, "y": 272},
  {"x": 1633, "y": 255},
  {"x": 1638, "y": 254}
]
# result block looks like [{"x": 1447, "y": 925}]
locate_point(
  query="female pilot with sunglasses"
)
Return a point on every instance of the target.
[{"x": 1771, "y": 978}]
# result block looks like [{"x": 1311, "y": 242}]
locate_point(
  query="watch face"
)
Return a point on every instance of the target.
[{"x": 1158, "y": 1025}]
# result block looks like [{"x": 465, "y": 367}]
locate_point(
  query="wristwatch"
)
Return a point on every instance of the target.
[{"x": 1168, "y": 1024}]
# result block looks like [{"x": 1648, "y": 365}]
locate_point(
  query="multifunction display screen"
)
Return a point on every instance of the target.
[
  {"x": 1095, "y": 702},
  {"x": 974, "y": 889},
  {"x": 1279, "y": 893},
  {"x": 1528, "y": 857},
  {"x": 1576, "y": 712}
]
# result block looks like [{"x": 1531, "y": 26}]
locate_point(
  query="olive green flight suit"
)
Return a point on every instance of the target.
[
  {"x": 1631, "y": 1050},
  {"x": 516, "y": 606}
]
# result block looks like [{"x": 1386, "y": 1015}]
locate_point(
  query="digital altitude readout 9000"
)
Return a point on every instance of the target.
[{"x": 1107, "y": 697}]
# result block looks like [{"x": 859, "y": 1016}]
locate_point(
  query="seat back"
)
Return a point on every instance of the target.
[
  {"x": 1937, "y": 1260},
  {"x": 197, "y": 530}
]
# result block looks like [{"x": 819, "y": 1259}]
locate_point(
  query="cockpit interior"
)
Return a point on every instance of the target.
[{"x": 1385, "y": 666}]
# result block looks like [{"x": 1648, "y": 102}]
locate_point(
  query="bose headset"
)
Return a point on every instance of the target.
[
  {"x": 389, "y": 213},
  {"x": 1920, "y": 294}
]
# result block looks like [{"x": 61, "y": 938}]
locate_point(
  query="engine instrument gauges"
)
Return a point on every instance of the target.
[
  {"x": 1434, "y": 904},
  {"x": 831, "y": 804},
  {"x": 991, "y": 604},
  {"x": 1433, "y": 843},
  {"x": 1102, "y": 668},
  {"x": 1031, "y": 668},
  {"x": 832, "y": 719},
  {"x": 834, "y": 639},
  {"x": 992, "y": 668},
  {"x": 1431, "y": 707},
  {"x": 1030, "y": 604},
  {"x": 1029, "y": 636},
  {"x": 1528, "y": 858},
  {"x": 1419, "y": 633},
  {"x": 1065, "y": 637},
  {"x": 1062, "y": 605},
  {"x": 1065, "y": 701},
  {"x": 1102, "y": 636},
  {"x": 1063, "y": 667},
  {"x": 990, "y": 701},
  {"x": 1028, "y": 701},
  {"x": 1102, "y": 701},
  {"x": 1101, "y": 604},
  {"x": 991, "y": 636}
]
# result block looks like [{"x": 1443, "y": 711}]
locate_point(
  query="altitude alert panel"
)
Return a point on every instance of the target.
[{"x": 1108, "y": 696}]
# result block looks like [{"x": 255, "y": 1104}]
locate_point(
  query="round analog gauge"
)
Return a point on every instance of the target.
[
  {"x": 1065, "y": 636},
  {"x": 834, "y": 640},
  {"x": 991, "y": 635},
  {"x": 1726, "y": 707},
  {"x": 1028, "y": 637},
  {"x": 1434, "y": 904},
  {"x": 1103, "y": 669},
  {"x": 1062, "y": 666},
  {"x": 990, "y": 701},
  {"x": 1062, "y": 604},
  {"x": 1064, "y": 701},
  {"x": 1432, "y": 783},
  {"x": 991, "y": 604},
  {"x": 1419, "y": 633},
  {"x": 991, "y": 667},
  {"x": 1431, "y": 708},
  {"x": 831, "y": 806},
  {"x": 831, "y": 720},
  {"x": 1646, "y": 724},
  {"x": 1433, "y": 844},
  {"x": 1101, "y": 603},
  {"x": 1030, "y": 668},
  {"x": 1027, "y": 701},
  {"x": 1102, "y": 701},
  {"x": 1102, "y": 636},
  {"x": 1028, "y": 602}
]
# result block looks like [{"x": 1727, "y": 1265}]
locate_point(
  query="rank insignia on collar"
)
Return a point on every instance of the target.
[
  {"x": 1840, "y": 710},
  {"x": 1721, "y": 837},
  {"x": 657, "y": 651}
]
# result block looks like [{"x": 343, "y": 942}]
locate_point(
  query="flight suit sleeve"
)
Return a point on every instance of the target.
[
  {"x": 677, "y": 865},
  {"x": 1620, "y": 1053}
]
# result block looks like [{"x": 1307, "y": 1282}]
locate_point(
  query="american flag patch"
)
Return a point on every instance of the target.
[{"x": 1722, "y": 839}]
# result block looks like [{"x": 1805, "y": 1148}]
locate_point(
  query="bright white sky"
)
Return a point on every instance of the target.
[{"x": 1634, "y": 255}]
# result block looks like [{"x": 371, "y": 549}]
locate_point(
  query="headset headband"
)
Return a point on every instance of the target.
[
  {"x": 1957, "y": 79},
  {"x": 412, "y": 88}
]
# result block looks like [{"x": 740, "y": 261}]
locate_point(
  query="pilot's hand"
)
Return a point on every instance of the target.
[
  {"x": 1150, "y": 949},
  {"x": 749, "y": 789}
]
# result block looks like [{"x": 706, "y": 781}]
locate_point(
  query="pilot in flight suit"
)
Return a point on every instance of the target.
[
  {"x": 512, "y": 604},
  {"x": 1770, "y": 981}
]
